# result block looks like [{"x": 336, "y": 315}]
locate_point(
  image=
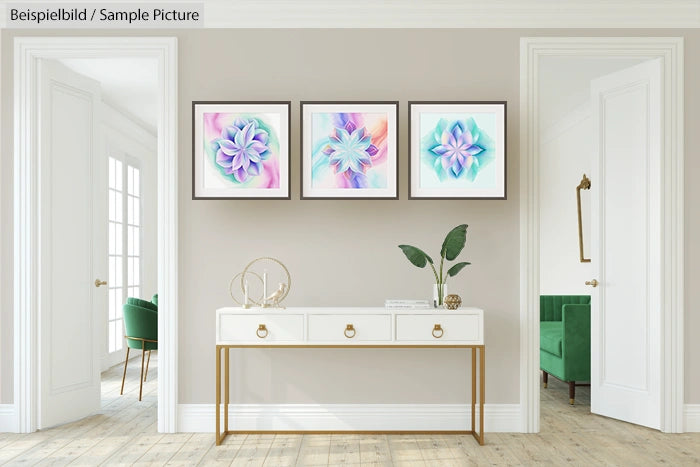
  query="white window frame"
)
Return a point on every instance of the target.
[{"x": 127, "y": 161}]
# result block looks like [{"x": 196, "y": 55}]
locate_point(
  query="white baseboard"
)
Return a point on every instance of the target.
[
  {"x": 691, "y": 414},
  {"x": 8, "y": 419},
  {"x": 348, "y": 417}
]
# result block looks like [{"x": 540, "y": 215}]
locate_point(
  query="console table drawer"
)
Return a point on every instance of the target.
[
  {"x": 439, "y": 328},
  {"x": 261, "y": 328},
  {"x": 347, "y": 329}
]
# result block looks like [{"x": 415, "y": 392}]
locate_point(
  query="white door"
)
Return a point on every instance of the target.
[
  {"x": 625, "y": 245},
  {"x": 73, "y": 244}
]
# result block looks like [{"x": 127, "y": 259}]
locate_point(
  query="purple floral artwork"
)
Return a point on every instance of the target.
[{"x": 243, "y": 148}]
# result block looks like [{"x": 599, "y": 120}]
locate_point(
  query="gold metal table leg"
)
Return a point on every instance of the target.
[
  {"x": 482, "y": 392},
  {"x": 473, "y": 352},
  {"x": 226, "y": 389},
  {"x": 218, "y": 395}
]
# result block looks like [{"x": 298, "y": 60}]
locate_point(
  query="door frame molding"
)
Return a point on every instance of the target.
[
  {"x": 670, "y": 51},
  {"x": 26, "y": 263}
]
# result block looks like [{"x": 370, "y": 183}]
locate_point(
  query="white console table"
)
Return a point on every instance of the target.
[{"x": 328, "y": 327}]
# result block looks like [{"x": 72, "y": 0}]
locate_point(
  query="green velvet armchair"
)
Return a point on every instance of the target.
[
  {"x": 141, "y": 327},
  {"x": 565, "y": 339}
]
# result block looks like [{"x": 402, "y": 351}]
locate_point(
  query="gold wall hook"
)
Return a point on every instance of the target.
[{"x": 584, "y": 185}]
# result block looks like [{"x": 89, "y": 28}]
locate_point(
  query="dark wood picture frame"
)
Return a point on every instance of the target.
[
  {"x": 195, "y": 142},
  {"x": 395, "y": 141},
  {"x": 411, "y": 148}
]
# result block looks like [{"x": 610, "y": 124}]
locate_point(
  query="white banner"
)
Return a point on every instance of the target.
[{"x": 104, "y": 15}]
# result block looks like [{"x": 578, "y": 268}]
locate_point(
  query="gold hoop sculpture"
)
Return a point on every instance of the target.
[{"x": 275, "y": 299}]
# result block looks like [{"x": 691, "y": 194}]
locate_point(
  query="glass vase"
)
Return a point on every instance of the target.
[{"x": 439, "y": 294}]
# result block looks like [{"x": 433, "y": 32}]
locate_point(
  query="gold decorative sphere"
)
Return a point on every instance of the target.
[{"x": 453, "y": 301}]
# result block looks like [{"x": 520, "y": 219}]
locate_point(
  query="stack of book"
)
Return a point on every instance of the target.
[{"x": 407, "y": 304}]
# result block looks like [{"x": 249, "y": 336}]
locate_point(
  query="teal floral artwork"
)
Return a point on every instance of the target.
[{"x": 457, "y": 150}]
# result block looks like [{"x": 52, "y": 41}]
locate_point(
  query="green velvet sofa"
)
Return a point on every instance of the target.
[{"x": 565, "y": 339}]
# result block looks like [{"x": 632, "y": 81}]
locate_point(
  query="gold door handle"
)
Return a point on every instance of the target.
[
  {"x": 99, "y": 282},
  {"x": 436, "y": 329},
  {"x": 592, "y": 283},
  {"x": 261, "y": 329},
  {"x": 349, "y": 328}
]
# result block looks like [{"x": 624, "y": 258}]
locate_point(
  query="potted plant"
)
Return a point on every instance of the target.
[{"x": 451, "y": 248}]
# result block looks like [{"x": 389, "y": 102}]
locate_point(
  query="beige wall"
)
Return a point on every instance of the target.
[{"x": 344, "y": 252}]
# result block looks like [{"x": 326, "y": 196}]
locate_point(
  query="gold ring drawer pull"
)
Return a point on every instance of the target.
[
  {"x": 262, "y": 331},
  {"x": 438, "y": 329},
  {"x": 348, "y": 329}
]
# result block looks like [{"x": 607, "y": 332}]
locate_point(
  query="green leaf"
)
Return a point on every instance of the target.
[
  {"x": 416, "y": 256},
  {"x": 454, "y": 242},
  {"x": 456, "y": 268}
]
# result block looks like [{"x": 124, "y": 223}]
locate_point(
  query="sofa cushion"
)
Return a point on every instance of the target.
[
  {"x": 550, "y": 305},
  {"x": 550, "y": 337}
]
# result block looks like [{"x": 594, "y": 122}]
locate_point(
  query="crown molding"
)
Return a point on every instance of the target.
[
  {"x": 441, "y": 13},
  {"x": 453, "y": 14}
]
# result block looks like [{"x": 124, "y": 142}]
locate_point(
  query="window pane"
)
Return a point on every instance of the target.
[
  {"x": 137, "y": 212},
  {"x": 112, "y": 280},
  {"x": 119, "y": 239},
  {"x": 130, "y": 180},
  {"x": 137, "y": 271},
  {"x": 118, "y": 208},
  {"x": 119, "y": 175},
  {"x": 130, "y": 210},
  {"x": 112, "y": 336},
  {"x": 112, "y": 249},
  {"x": 130, "y": 240},
  {"x": 119, "y": 301},
  {"x": 112, "y": 205},
  {"x": 117, "y": 271},
  {"x": 137, "y": 241},
  {"x": 130, "y": 271},
  {"x": 137, "y": 182},
  {"x": 137, "y": 292},
  {"x": 112, "y": 304}
]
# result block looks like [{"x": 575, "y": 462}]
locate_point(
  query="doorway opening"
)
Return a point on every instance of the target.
[
  {"x": 133, "y": 248},
  {"x": 119, "y": 112},
  {"x": 567, "y": 141},
  {"x": 638, "y": 81}
]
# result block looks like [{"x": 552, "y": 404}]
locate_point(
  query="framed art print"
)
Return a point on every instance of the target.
[
  {"x": 457, "y": 150},
  {"x": 240, "y": 150},
  {"x": 349, "y": 150}
]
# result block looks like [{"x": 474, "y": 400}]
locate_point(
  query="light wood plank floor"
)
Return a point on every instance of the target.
[{"x": 125, "y": 433}]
